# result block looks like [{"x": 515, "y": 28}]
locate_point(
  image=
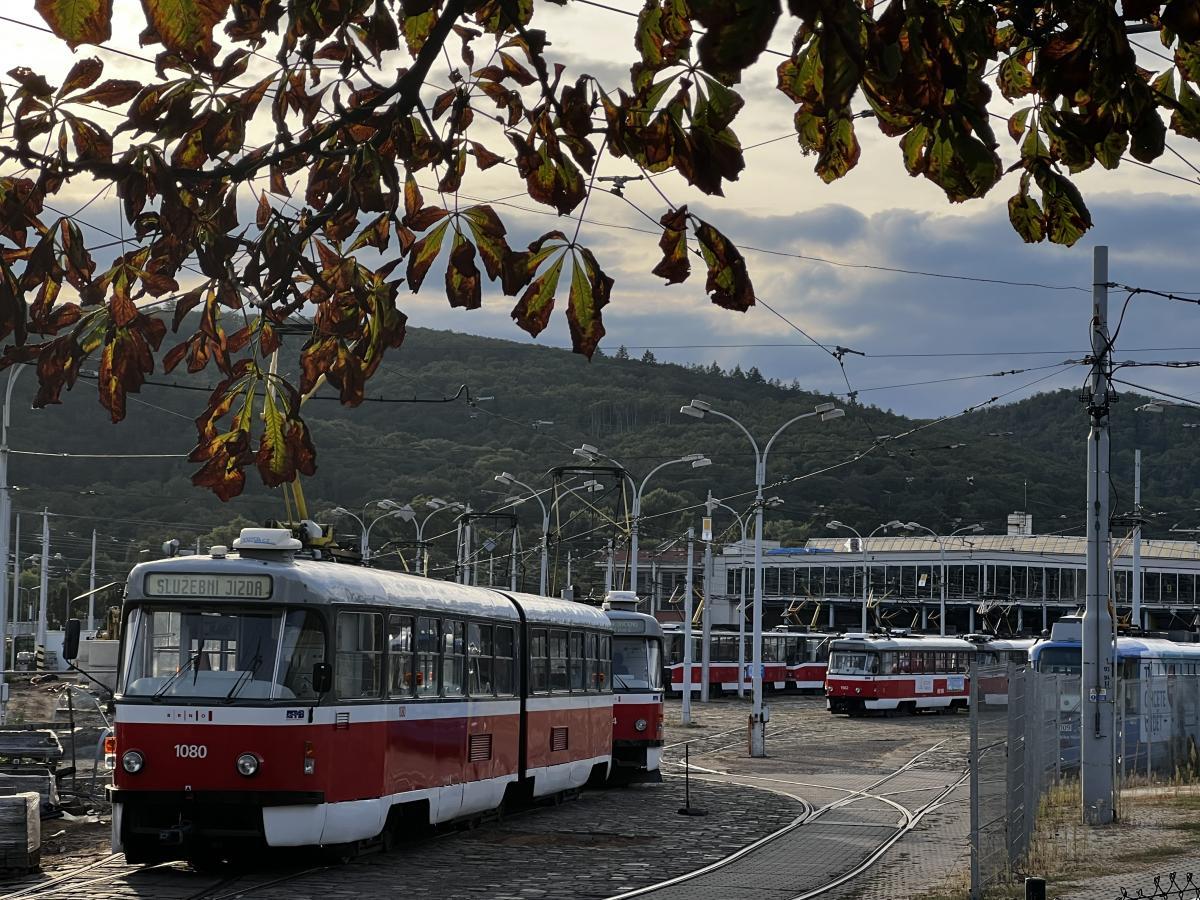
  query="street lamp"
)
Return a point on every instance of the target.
[
  {"x": 862, "y": 545},
  {"x": 698, "y": 461},
  {"x": 507, "y": 479},
  {"x": 698, "y": 409},
  {"x": 394, "y": 510},
  {"x": 974, "y": 528},
  {"x": 437, "y": 504}
]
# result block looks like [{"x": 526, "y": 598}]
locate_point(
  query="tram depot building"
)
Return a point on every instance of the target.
[{"x": 1017, "y": 583}]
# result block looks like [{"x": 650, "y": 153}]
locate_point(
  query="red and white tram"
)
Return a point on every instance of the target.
[
  {"x": 792, "y": 660},
  {"x": 637, "y": 686},
  {"x": 268, "y": 699},
  {"x": 891, "y": 673}
]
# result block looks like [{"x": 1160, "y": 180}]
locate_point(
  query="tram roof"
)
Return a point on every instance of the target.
[
  {"x": 306, "y": 581},
  {"x": 897, "y": 642}
]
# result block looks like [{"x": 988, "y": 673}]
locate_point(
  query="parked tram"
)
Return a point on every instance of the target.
[
  {"x": 267, "y": 699},
  {"x": 637, "y": 686},
  {"x": 897, "y": 673},
  {"x": 792, "y": 660}
]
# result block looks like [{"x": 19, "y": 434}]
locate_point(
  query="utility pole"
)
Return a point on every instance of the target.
[
  {"x": 513, "y": 561},
  {"x": 92, "y": 587},
  {"x": 1098, "y": 745},
  {"x": 687, "y": 632},
  {"x": 705, "y": 611},
  {"x": 44, "y": 586},
  {"x": 608, "y": 568},
  {"x": 1136, "y": 574}
]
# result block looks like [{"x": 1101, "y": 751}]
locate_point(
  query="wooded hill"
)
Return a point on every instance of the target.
[{"x": 970, "y": 469}]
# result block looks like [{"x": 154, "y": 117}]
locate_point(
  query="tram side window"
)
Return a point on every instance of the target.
[
  {"x": 539, "y": 680},
  {"x": 604, "y": 651},
  {"x": 400, "y": 656},
  {"x": 359, "y": 655},
  {"x": 558, "y": 661},
  {"x": 479, "y": 660},
  {"x": 453, "y": 651},
  {"x": 504, "y": 660},
  {"x": 578, "y": 674},
  {"x": 428, "y": 640},
  {"x": 592, "y": 664}
]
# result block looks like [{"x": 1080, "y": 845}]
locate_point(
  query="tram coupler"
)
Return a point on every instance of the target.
[{"x": 174, "y": 836}]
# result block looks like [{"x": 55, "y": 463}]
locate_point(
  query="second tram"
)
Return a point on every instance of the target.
[{"x": 637, "y": 686}]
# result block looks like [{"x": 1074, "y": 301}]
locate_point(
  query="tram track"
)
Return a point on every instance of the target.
[{"x": 907, "y": 820}]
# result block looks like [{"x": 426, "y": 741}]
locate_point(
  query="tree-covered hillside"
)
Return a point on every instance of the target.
[{"x": 531, "y": 405}]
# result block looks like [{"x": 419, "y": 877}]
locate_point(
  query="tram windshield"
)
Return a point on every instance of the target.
[
  {"x": 637, "y": 664},
  {"x": 1060, "y": 660},
  {"x": 221, "y": 654},
  {"x": 842, "y": 662}
]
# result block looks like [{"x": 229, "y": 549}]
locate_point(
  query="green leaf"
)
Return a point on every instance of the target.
[
  {"x": 841, "y": 151},
  {"x": 489, "y": 234},
  {"x": 1185, "y": 120},
  {"x": 590, "y": 289},
  {"x": 422, "y": 254},
  {"x": 1026, "y": 215},
  {"x": 913, "y": 145},
  {"x": 1110, "y": 150},
  {"x": 376, "y": 234},
  {"x": 532, "y": 312},
  {"x": 736, "y": 33},
  {"x": 272, "y": 456},
  {"x": 417, "y": 29},
  {"x": 78, "y": 21},
  {"x": 1013, "y": 78},
  {"x": 1067, "y": 216}
]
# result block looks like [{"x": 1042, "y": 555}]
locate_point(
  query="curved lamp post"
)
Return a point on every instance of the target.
[
  {"x": 698, "y": 461},
  {"x": 698, "y": 409},
  {"x": 394, "y": 510},
  {"x": 508, "y": 479},
  {"x": 862, "y": 543}
]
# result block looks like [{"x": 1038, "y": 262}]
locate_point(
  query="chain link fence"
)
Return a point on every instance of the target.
[{"x": 1024, "y": 739}]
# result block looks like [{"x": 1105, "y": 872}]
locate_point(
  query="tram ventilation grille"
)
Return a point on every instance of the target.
[
  {"x": 479, "y": 747},
  {"x": 341, "y": 720},
  {"x": 558, "y": 739}
]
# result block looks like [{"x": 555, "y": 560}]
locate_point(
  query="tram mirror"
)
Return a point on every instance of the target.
[
  {"x": 71, "y": 640},
  {"x": 322, "y": 677}
]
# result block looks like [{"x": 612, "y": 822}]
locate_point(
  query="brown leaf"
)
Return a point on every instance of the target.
[
  {"x": 184, "y": 26},
  {"x": 110, "y": 93},
  {"x": 462, "y": 275},
  {"x": 728, "y": 282},
  {"x": 675, "y": 265},
  {"x": 83, "y": 74},
  {"x": 78, "y": 21}
]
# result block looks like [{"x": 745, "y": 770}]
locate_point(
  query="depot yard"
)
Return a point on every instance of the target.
[{"x": 605, "y": 843}]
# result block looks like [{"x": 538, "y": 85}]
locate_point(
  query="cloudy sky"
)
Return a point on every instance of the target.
[{"x": 821, "y": 256}]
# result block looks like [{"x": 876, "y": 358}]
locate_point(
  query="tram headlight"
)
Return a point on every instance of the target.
[
  {"x": 132, "y": 761},
  {"x": 640, "y": 725},
  {"x": 247, "y": 764}
]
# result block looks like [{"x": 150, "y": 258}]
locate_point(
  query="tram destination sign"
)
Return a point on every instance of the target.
[
  {"x": 629, "y": 626},
  {"x": 214, "y": 587}
]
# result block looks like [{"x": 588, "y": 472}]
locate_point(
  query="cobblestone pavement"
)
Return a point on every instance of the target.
[{"x": 610, "y": 842}]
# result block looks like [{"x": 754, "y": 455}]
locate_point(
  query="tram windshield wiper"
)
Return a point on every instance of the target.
[
  {"x": 192, "y": 662},
  {"x": 620, "y": 681},
  {"x": 243, "y": 677}
]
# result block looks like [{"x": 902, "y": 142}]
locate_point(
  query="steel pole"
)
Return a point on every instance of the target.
[
  {"x": 5, "y": 516},
  {"x": 92, "y": 587},
  {"x": 687, "y": 634},
  {"x": 633, "y": 542},
  {"x": 866, "y": 583},
  {"x": 1097, "y": 748},
  {"x": 44, "y": 583},
  {"x": 544, "y": 569},
  {"x": 758, "y": 742},
  {"x": 608, "y": 568},
  {"x": 942, "y": 585},
  {"x": 706, "y": 624},
  {"x": 1136, "y": 574}
]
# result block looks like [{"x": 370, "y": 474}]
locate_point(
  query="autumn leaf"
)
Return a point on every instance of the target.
[
  {"x": 675, "y": 265},
  {"x": 462, "y": 275},
  {"x": 184, "y": 26},
  {"x": 422, "y": 254},
  {"x": 532, "y": 312},
  {"x": 78, "y": 21},
  {"x": 728, "y": 283},
  {"x": 590, "y": 290}
]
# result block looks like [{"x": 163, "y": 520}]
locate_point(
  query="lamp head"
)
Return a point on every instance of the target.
[
  {"x": 832, "y": 414},
  {"x": 691, "y": 457},
  {"x": 584, "y": 453},
  {"x": 591, "y": 486},
  {"x": 824, "y": 407},
  {"x": 339, "y": 511},
  {"x": 435, "y": 503},
  {"x": 388, "y": 504},
  {"x": 975, "y": 529},
  {"x": 774, "y": 502},
  {"x": 505, "y": 478},
  {"x": 693, "y": 411},
  {"x": 701, "y": 462},
  {"x": 834, "y": 524},
  {"x": 1151, "y": 407},
  {"x": 895, "y": 523}
]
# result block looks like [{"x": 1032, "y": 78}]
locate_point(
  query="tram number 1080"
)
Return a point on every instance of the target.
[{"x": 190, "y": 751}]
